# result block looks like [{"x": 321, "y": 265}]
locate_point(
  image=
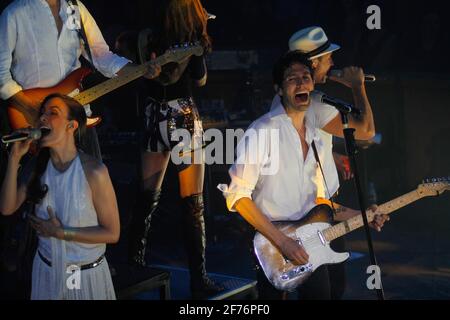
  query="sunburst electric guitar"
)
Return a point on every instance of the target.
[
  {"x": 315, "y": 232},
  {"x": 20, "y": 117}
]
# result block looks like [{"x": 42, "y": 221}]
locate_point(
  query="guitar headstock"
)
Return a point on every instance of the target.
[
  {"x": 435, "y": 186},
  {"x": 180, "y": 52}
]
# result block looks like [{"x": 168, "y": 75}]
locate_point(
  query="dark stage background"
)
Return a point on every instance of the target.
[{"x": 409, "y": 56}]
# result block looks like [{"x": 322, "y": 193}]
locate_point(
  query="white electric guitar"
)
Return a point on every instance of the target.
[{"x": 315, "y": 232}]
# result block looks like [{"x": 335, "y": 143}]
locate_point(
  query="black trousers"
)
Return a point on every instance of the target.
[{"x": 337, "y": 271}]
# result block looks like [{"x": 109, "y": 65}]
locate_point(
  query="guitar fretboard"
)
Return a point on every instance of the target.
[
  {"x": 96, "y": 92},
  {"x": 356, "y": 222}
]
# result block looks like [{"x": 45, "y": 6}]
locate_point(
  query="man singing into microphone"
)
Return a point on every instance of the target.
[
  {"x": 289, "y": 192},
  {"x": 313, "y": 42}
]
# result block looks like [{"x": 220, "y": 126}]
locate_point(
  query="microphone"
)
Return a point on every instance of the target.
[
  {"x": 342, "y": 106},
  {"x": 23, "y": 134},
  {"x": 339, "y": 73}
]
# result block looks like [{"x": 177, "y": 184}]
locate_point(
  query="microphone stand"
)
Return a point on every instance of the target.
[{"x": 352, "y": 150}]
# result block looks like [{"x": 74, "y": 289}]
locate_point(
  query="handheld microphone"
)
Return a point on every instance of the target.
[
  {"x": 339, "y": 73},
  {"x": 23, "y": 134},
  {"x": 342, "y": 106}
]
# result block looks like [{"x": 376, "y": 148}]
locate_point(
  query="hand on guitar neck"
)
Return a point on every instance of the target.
[
  {"x": 153, "y": 71},
  {"x": 378, "y": 220},
  {"x": 343, "y": 213},
  {"x": 21, "y": 116}
]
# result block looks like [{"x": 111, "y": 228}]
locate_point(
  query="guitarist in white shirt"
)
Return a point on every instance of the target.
[
  {"x": 40, "y": 46},
  {"x": 291, "y": 191}
]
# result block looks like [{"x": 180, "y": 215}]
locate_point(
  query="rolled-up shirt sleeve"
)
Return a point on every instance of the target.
[
  {"x": 105, "y": 61},
  {"x": 251, "y": 154},
  {"x": 8, "y": 37},
  {"x": 323, "y": 113}
]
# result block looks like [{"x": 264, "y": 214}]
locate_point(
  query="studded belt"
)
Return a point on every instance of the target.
[{"x": 83, "y": 267}]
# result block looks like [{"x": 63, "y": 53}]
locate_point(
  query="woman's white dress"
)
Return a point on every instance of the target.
[{"x": 70, "y": 197}]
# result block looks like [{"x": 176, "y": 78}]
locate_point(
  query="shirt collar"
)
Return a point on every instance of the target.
[
  {"x": 63, "y": 4},
  {"x": 277, "y": 111}
]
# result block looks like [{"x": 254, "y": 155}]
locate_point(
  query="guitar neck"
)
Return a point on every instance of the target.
[
  {"x": 134, "y": 73},
  {"x": 356, "y": 222}
]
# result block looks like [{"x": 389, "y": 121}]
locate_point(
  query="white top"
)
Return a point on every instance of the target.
[
  {"x": 274, "y": 174},
  {"x": 70, "y": 197},
  {"x": 33, "y": 56}
]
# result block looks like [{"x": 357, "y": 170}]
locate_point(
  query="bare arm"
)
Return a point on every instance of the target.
[
  {"x": 344, "y": 213},
  {"x": 27, "y": 105},
  {"x": 290, "y": 248},
  {"x": 105, "y": 203},
  {"x": 199, "y": 71},
  {"x": 12, "y": 196},
  {"x": 365, "y": 126},
  {"x": 201, "y": 82},
  {"x": 22, "y": 100}
]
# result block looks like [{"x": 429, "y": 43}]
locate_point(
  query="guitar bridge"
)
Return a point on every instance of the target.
[{"x": 295, "y": 272}]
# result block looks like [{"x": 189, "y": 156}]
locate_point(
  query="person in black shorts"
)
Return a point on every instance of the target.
[{"x": 168, "y": 106}]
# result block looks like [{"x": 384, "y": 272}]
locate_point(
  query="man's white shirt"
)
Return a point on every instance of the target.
[
  {"x": 33, "y": 56},
  {"x": 290, "y": 191}
]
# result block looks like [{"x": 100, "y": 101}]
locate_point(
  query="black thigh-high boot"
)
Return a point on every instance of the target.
[
  {"x": 140, "y": 225},
  {"x": 195, "y": 242}
]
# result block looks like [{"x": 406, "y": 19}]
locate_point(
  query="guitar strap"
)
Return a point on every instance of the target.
[
  {"x": 316, "y": 155},
  {"x": 82, "y": 35}
]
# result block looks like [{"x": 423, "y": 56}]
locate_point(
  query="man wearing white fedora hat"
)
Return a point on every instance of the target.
[{"x": 314, "y": 44}]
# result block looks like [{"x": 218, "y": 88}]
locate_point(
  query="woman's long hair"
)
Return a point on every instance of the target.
[
  {"x": 36, "y": 191},
  {"x": 181, "y": 21}
]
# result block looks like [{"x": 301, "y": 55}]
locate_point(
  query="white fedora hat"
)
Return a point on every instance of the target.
[{"x": 312, "y": 41}]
